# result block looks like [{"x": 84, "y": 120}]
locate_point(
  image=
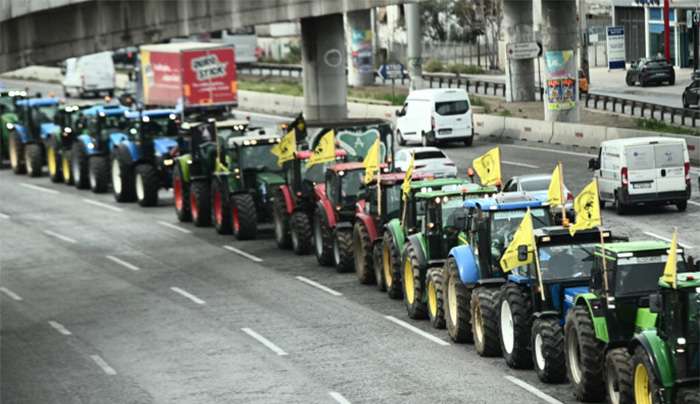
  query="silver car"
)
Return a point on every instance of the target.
[{"x": 429, "y": 160}]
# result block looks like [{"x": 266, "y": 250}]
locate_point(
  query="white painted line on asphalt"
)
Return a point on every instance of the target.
[
  {"x": 243, "y": 253},
  {"x": 668, "y": 239},
  {"x": 694, "y": 203},
  {"x": 122, "y": 262},
  {"x": 534, "y": 390},
  {"x": 339, "y": 397},
  {"x": 319, "y": 286},
  {"x": 188, "y": 295},
  {"x": 60, "y": 236},
  {"x": 59, "y": 327},
  {"x": 550, "y": 150},
  {"x": 102, "y": 205},
  {"x": 513, "y": 163},
  {"x": 38, "y": 188},
  {"x": 417, "y": 330},
  {"x": 103, "y": 365},
  {"x": 10, "y": 293},
  {"x": 4, "y": 216},
  {"x": 274, "y": 348},
  {"x": 173, "y": 226}
]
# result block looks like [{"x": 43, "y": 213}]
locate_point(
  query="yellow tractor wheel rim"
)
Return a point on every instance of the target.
[
  {"x": 432, "y": 299},
  {"x": 642, "y": 392},
  {"x": 52, "y": 161},
  {"x": 408, "y": 281},
  {"x": 65, "y": 169},
  {"x": 386, "y": 264}
]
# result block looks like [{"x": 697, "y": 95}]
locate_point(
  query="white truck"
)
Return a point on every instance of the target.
[{"x": 90, "y": 74}]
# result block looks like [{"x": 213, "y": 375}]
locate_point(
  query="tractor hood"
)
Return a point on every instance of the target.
[
  {"x": 163, "y": 145},
  {"x": 570, "y": 295},
  {"x": 270, "y": 179},
  {"x": 48, "y": 129},
  {"x": 22, "y": 131},
  {"x": 9, "y": 117}
]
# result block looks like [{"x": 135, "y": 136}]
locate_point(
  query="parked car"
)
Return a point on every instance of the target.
[
  {"x": 691, "y": 94},
  {"x": 536, "y": 185},
  {"x": 433, "y": 115},
  {"x": 648, "y": 71},
  {"x": 90, "y": 74},
  {"x": 427, "y": 159}
]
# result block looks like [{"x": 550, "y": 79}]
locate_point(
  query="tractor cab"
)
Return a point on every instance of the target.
[
  {"x": 106, "y": 126},
  {"x": 36, "y": 118},
  {"x": 71, "y": 123},
  {"x": 8, "y": 100},
  {"x": 70, "y": 119},
  {"x": 202, "y": 139},
  {"x": 303, "y": 180},
  {"x": 343, "y": 184},
  {"x": 154, "y": 132}
]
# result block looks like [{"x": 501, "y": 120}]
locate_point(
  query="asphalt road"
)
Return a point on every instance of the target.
[{"x": 106, "y": 302}]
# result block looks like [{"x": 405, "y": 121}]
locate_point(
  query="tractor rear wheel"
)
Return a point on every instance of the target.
[
  {"x": 244, "y": 217},
  {"x": 548, "y": 350},
  {"x": 618, "y": 377},
  {"x": 377, "y": 264},
  {"x": 221, "y": 209},
  {"x": 181, "y": 195},
  {"x": 342, "y": 250},
  {"x": 147, "y": 185},
  {"x": 644, "y": 383},
  {"x": 688, "y": 396},
  {"x": 301, "y": 233},
  {"x": 323, "y": 238},
  {"x": 391, "y": 266},
  {"x": 457, "y": 301},
  {"x": 484, "y": 316},
  {"x": 515, "y": 315},
  {"x": 200, "y": 203},
  {"x": 16, "y": 151},
  {"x": 413, "y": 285},
  {"x": 99, "y": 174},
  {"x": 362, "y": 250},
  {"x": 122, "y": 175},
  {"x": 53, "y": 161},
  {"x": 33, "y": 160},
  {"x": 281, "y": 221},
  {"x": 584, "y": 356},
  {"x": 66, "y": 173},
  {"x": 80, "y": 166},
  {"x": 434, "y": 286}
]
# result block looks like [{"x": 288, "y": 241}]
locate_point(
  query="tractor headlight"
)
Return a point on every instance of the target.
[
  {"x": 341, "y": 173},
  {"x": 680, "y": 341},
  {"x": 9, "y": 126},
  {"x": 133, "y": 131},
  {"x": 253, "y": 142},
  {"x": 68, "y": 130},
  {"x": 236, "y": 170},
  {"x": 146, "y": 119},
  {"x": 246, "y": 143},
  {"x": 172, "y": 116},
  {"x": 90, "y": 146},
  {"x": 437, "y": 199},
  {"x": 168, "y": 162}
]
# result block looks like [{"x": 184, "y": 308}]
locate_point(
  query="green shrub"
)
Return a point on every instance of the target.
[
  {"x": 465, "y": 69},
  {"x": 434, "y": 66},
  {"x": 660, "y": 126}
]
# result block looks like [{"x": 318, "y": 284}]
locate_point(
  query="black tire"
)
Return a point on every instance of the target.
[
  {"x": 66, "y": 171},
  {"x": 244, "y": 216},
  {"x": 281, "y": 218},
  {"x": 122, "y": 171},
  {"x": 629, "y": 81},
  {"x": 434, "y": 287},
  {"x": 457, "y": 300},
  {"x": 469, "y": 141},
  {"x": 640, "y": 362},
  {"x": 424, "y": 139},
  {"x": 618, "y": 377},
  {"x": 399, "y": 138},
  {"x": 620, "y": 207},
  {"x": 377, "y": 264},
  {"x": 688, "y": 395},
  {"x": 585, "y": 355},
  {"x": 685, "y": 102},
  {"x": 362, "y": 251},
  {"x": 16, "y": 151},
  {"x": 413, "y": 284},
  {"x": 301, "y": 233},
  {"x": 221, "y": 208},
  {"x": 33, "y": 160},
  {"x": 391, "y": 266},
  {"x": 548, "y": 350},
  {"x": 200, "y": 203},
  {"x": 682, "y": 206},
  {"x": 80, "y": 167},
  {"x": 181, "y": 195},
  {"x": 322, "y": 238},
  {"x": 484, "y": 315},
  {"x": 147, "y": 185},
  {"x": 343, "y": 255},
  {"x": 99, "y": 174},
  {"x": 53, "y": 161},
  {"x": 515, "y": 318}
]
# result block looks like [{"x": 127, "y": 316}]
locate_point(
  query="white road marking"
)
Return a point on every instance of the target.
[
  {"x": 513, "y": 163},
  {"x": 60, "y": 236},
  {"x": 4, "y": 216},
  {"x": 59, "y": 327},
  {"x": 550, "y": 150},
  {"x": 274, "y": 348},
  {"x": 38, "y": 188},
  {"x": 122, "y": 262},
  {"x": 173, "y": 226},
  {"x": 243, "y": 253},
  {"x": 103, "y": 365},
  {"x": 532, "y": 389},
  {"x": 319, "y": 286},
  {"x": 417, "y": 330},
  {"x": 102, "y": 205},
  {"x": 648, "y": 233},
  {"x": 694, "y": 203},
  {"x": 10, "y": 293},
  {"x": 188, "y": 295},
  {"x": 339, "y": 397}
]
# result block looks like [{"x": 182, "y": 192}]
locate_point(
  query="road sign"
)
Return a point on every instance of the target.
[
  {"x": 522, "y": 50},
  {"x": 615, "y": 37},
  {"x": 392, "y": 71}
]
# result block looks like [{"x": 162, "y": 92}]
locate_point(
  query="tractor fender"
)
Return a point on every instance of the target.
[
  {"x": 324, "y": 205},
  {"x": 182, "y": 161},
  {"x": 592, "y": 303},
  {"x": 360, "y": 206},
  {"x": 48, "y": 129},
  {"x": 418, "y": 243},
  {"x": 88, "y": 144},
  {"x": 288, "y": 201},
  {"x": 367, "y": 221},
  {"x": 163, "y": 145},
  {"x": 394, "y": 227},
  {"x": 116, "y": 138},
  {"x": 133, "y": 150},
  {"x": 467, "y": 264},
  {"x": 657, "y": 353},
  {"x": 546, "y": 314},
  {"x": 320, "y": 192},
  {"x": 21, "y": 130}
]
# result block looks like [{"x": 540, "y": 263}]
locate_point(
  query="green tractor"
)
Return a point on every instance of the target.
[
  {"x": 603, "y": 321},
  {"x": 58, "y": 145},
  {"x": 8, "y": 118},
  {"x": 666, "y": 358}
]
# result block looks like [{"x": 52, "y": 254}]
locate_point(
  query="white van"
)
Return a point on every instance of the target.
[
  {"x": 643, "y": 170},
  {"x": 435, "y": 115},
  {"x": 90, "y": 74}
]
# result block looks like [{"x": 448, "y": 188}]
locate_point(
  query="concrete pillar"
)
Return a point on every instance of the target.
[
  {"x": 359, "y": 35},
  {"x": 520, "y": 74},
  {"x": 560, "y": 39},
  {"x": 323, "y": 59},
  {"x": 414, "y": 62}
]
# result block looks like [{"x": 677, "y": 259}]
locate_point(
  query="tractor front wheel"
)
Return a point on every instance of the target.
[
  {"x": 515, "y": 324},
  {"x": 548, "y": 350},
  {"x": 221, "y": 211},
  {"x": 53, "y": 161},
  {"x": 80, "y": 166},
  {"x": 66, "y": 173},
  {"x": 122, "y": 175},
  {"x": 16, "y": 155},
  {"x": 584, "y": 356},
  {"x": 281, "y": 221},
  {"x": 301, "y": 233},
  {"x": 413, "y": 286},
  {"x": 147, "y": 185},
  {"x": 362, "y": 250},
  {"x": 181, "y": 195},
  {"x": 484, "y": 316},
  {"x": 33, "y": 160},
  {"x": 244, "y": 217},
  {"x": 457, "y": 301},
  {"x": 323, "y": 238},
  {"x": 618, "y": 377},
  {"x": 391, "y": 266},
  {"x": 644, "y": 383},
  {"x": 200, "y": 203},
  {"x": 342, "y": 250},
  {"x": 99, "y": 174},
  {"x": 434, "y": 286}
]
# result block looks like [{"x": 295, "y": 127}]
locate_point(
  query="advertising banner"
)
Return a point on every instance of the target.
[
  {"x": 560, "y": 75},
  {"x": 209, "y": 77},
  {"x": 616, "y": 47},
  {"x": 160, "y": 73}
]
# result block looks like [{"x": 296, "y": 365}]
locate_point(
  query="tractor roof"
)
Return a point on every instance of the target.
[
  {"x": 546, "y": 234},
  {"x": 391, "y": 179},
  {"x": 252, "y": 140},
  {"x": 684, "y": 280},
  {"x": 305, "y": 154},
  {"x": 74, "y": 107},
  {"x": 13, "y": 93},
  {"x": 437, "y": 183},
  {"x": 38, "y": 102},
  {"x": 461, "y": 189},
  {"x": 505, "y": 201},
  {"x": 152, "y": 113},
  {"x": 236, "y": 124},
  {"x": 352, "y": 166},
  {"x": 105, "y": 110},
  {"x": 636, "y": 246}
]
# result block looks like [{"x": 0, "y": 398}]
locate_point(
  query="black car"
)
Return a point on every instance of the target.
[
  {"x": 691, "y": 94},
  {"x": 648, "y": 71}
]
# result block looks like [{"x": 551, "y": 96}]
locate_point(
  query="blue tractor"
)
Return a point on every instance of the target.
[
  {"x": 26, "y": 141},
  {"x": 473, "y": 272},
  {"x": 143, "y": 162}
]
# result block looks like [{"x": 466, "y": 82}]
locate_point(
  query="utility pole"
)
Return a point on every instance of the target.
[
  {"x": 583, "y": 23},
  {"x": 667, "y": 32},
  {"x": 415, "y": 46}
]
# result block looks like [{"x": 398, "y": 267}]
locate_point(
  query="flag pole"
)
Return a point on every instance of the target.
[
  {"x": 379, "y": 170},
  {"x": 561, "y": 192},
  {"x": 537, "y": 267},
  {"x": 605, "y": 263}
]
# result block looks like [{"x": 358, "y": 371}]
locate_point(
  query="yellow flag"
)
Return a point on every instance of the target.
[
  {"x": 406, "y": 186},
  {"x": 523, "y": 236},
  {"x": 587, "y": 208},
  {"x": 324, "y": 150},
  {"x": 555, "y": 196},
  {"x": 285, "y": 149},
  {"x": 488, "y": 167},
  {"x": 669, "y": 275},
  {"x": 371, "y": 161}
]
